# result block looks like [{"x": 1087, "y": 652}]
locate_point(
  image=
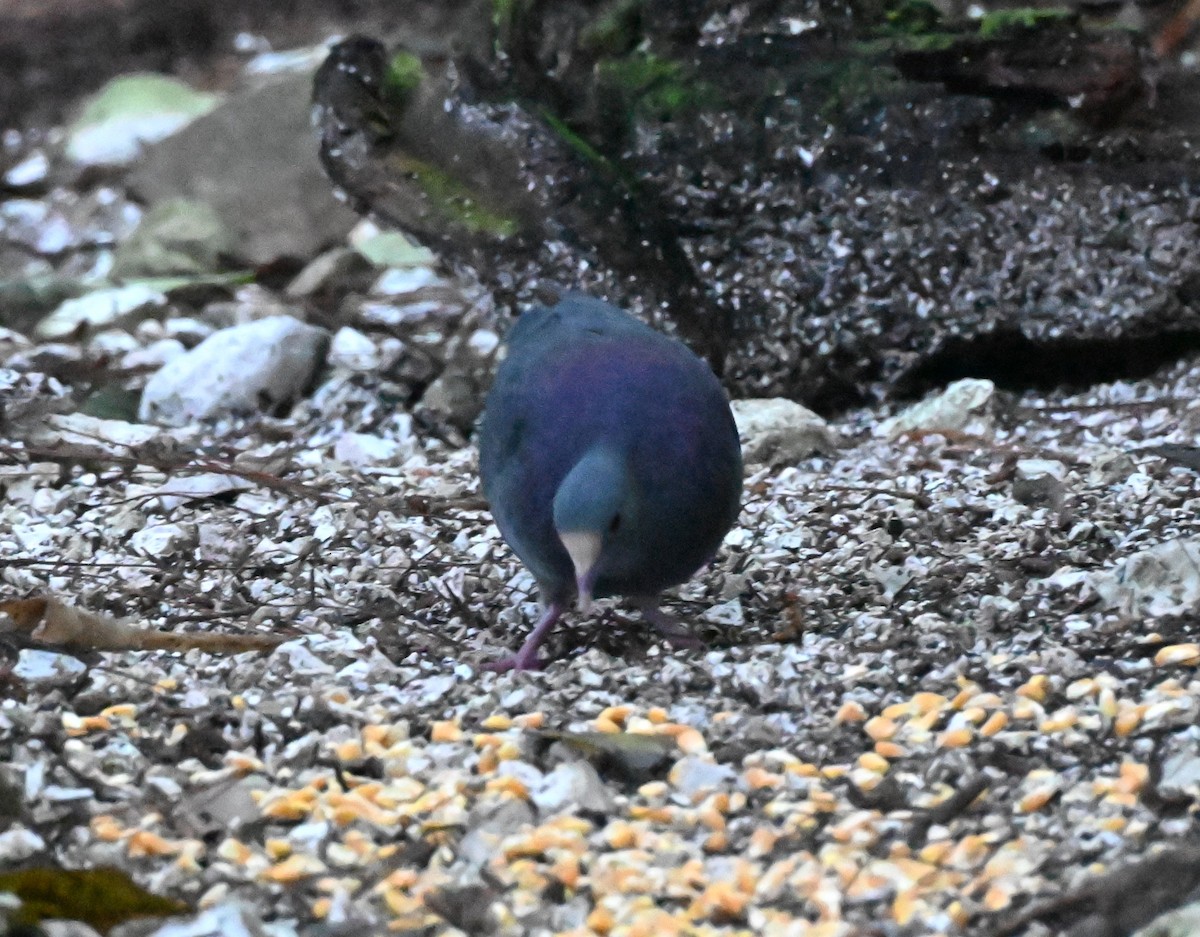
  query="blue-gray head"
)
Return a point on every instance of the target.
[{"x": 596, "y": 504}]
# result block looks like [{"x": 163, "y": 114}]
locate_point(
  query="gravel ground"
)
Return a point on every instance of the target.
[{"x": 945, "y": 679}]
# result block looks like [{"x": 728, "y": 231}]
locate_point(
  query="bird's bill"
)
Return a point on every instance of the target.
[{"x": 584, "y": 549}]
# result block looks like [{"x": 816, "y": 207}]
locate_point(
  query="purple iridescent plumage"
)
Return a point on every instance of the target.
[{"x": 606, "y": 435}]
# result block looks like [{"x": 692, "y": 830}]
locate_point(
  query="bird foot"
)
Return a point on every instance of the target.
[
  {"x": 527, "y": 658},
  {"x": 518, "y": 661},
  {"x": 672, "y": 630}
]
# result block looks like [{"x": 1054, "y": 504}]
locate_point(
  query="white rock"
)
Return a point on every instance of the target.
[
  {"x": 17, "y": 844},
  {"x": 692, "y": 775},
  {"x": 777, "y": 431},
  {"x": 155, "y": 355},
  {"x": 363, "y": 449},
  {"x": 483, "y": 342},
  {"x": 183, "y": 488},
  {"x": 572, "y": 784},
  {"x": 32, "y": 170},
  {"x": 46, "y": 667},
  {"x": 117, "y": 305},
  {"x": 1161, "y": 580},
  {"x": 725, "y": 613},
  {"x": 226, "y": 920},
  {"x": 963, "y": 407},
  {"x": 352, "y": 350},
  {"x": 239, "y": 369},
  {"x": 187, "y": 330},
  {"x": 1040, "y": 468},
  {"x": 397, "y": 281},
  {"x": 129, "y": 111},
  {"x": 89, "y": 435},
  {"x": 163, "y": 540}
]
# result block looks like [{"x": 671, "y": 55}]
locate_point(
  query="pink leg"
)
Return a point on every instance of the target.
[
  {"x": 527, "y": 658},
  {"x": 669, "y": 628}
]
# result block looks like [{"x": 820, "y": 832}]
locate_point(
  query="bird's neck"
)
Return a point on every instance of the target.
[{"x": 598, "y": 488}]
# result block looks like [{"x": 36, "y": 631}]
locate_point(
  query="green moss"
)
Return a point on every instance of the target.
[
  {"x": 654, "y": 86},
  {"x": 848, "y": 85},
  {"x": 1001, "y": 21},
  {"x": 911, "y": 18},
  {"x": 404, "y": 75},
  {"x": 577, "y": 143},
  {"x": 615, "y": 31},
  {"x": 457, "y": 203}
]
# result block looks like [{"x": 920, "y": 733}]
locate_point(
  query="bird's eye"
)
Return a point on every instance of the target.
[{"x": 615, "y": 524}]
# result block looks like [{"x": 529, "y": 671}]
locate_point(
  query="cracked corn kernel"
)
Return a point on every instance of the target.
[
  {"x": 1028, "y": 709},
  {"x": 1107, "y": 703},
  {"x": 665, "y": 815},
  {"x": 497, "y": 723},
  {"x": 762, "y": 841},
  {"x": 997, "y": 898},
  {"x": 620, "y": 835},
  {"x": 243, "y": 764},
  {"x": 566, "y": 870},
  {"x": 956, "y": 738},
  {"x": 926, "y": 702},
  {"x": 935, "y": 853},
  {"x": 293, "y": 869},
  {"x": 601, "y": 920},
  {"x": 889, "y": 750},
  {"x": 534, "y": 720},
  {"x": 1133, "y": 777},
  {"x": 507, "y": 785},
  {"x": 850, "y": 712},
  {"x": 235, "y": 851},
  {"x": 145, "y": 843},
  {"x": 1178, "y": 655},
  {"x": 720, "y": 902},
  {"x": 873, "y": 762},
  {"x": 880, "y": 729},
  {"x": 865, "y": 779},
  {"x": 717, "y": 841},
  {"x": 488, "y": 762},
  {"x": 1065, "y": 718},
  {"x": 898, "y": 710},
  {"x": 76, "y": 726},
  {"x": 617, "y": 714},
  {"x": 351, "y": 750},
  {"x": 905, "y": 907},
  {"x": 759, "y": 778},
  {"x": 106, "y": 828},
  {"x": 445, "y": 731},
  {"x": 690, "y": 741},
  {"x": 277, "y": 848},
  {"x": 995, "y": 723},
  {"x": 1035, "y": 688},
  {"x": 1037, "y": 799}
]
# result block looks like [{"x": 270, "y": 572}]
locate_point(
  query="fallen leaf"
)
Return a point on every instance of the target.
[
  {"x": 101, "y": 898},
  {"x": 49, "y": 621}
]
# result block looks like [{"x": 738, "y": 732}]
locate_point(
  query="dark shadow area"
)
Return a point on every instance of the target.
[{"x": 1015, "y": 362}]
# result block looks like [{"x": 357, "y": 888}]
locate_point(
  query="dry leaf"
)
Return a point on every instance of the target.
[{"x": 51, "y": 622}]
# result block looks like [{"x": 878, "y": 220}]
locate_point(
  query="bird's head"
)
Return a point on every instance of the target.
[{"x": 594, "y": 507}]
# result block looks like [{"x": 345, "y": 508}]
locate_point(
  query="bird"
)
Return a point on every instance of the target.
[{"x": 609, "y": 457}]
